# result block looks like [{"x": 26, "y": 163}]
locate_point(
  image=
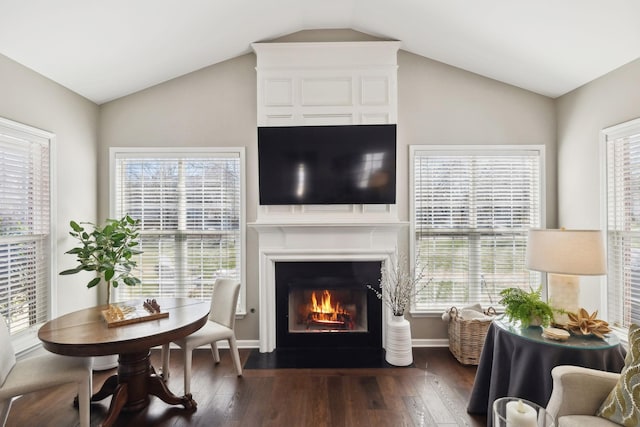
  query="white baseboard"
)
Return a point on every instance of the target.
[
  {"x": 434, "y": 342},
  {"x": 431, "y": 342}
]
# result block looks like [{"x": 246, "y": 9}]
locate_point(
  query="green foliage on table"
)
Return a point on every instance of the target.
[
  {"x": 107, "y": 250},
  {"x": 526, "y": 307}
]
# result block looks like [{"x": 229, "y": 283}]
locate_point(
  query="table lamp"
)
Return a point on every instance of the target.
[{"x": 565, "y": 255}]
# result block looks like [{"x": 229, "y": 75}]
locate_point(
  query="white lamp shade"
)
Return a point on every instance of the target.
[{"x": 576, "y": 252}]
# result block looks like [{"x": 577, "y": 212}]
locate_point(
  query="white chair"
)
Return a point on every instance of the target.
[
  {"x": 577, "y": 394},
  {"x": 39, "y": 373},
  {"x": 222, "y": 318}
]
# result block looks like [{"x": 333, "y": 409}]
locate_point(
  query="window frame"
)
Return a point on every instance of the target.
[
  {"x": 192, "y": 151},
  {"x": 465, "y": 149},
  {"x": 621, "y": 130},
  {"x": 27, "y": 339}
]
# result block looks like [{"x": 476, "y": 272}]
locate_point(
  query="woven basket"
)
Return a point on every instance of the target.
[{"x": 466, "y": 337}]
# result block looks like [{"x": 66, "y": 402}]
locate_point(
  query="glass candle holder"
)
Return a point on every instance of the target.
[{"x": 516, "y": 412}]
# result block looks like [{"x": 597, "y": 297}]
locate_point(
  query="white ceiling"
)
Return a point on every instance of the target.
[{"x": 107, "y": 49}]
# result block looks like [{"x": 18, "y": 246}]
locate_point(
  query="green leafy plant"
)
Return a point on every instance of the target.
[
  {"x": 526, "y": 307},
  {"x": 107, "y": 250}
]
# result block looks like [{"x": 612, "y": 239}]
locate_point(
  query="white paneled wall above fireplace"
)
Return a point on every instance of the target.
[{"x": 339, "y": 83}]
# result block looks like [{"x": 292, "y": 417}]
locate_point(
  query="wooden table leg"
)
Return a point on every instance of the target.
[
  {"x": 131, "y": 387},
  {"x": 157, "y": 387},
  {"x": 118, "y": 401},
  {"x": 107, "y": 389}
]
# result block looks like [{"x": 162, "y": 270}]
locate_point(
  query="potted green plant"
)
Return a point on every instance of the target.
[
  {"x": 107, "y": 250},
  {"x": 526, "y": 307}
]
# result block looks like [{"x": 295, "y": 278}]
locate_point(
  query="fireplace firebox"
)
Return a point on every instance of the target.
[{"x": 327, "y": 304}]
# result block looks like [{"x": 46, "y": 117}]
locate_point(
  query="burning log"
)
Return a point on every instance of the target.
[
  {"x": 327, "y": 324},
  {"x": 321, "y": 313}
]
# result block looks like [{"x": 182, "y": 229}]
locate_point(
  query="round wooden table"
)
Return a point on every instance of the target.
[{"x": 85, "y": 333}]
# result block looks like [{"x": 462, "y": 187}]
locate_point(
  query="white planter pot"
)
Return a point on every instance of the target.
[{"x": 398, "y": 348}]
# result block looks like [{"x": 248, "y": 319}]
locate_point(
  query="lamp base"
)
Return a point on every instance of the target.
[{"x": 564, "y": 294}]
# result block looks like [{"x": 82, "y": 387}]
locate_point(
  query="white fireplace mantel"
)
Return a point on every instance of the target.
[{"x": 314, "y": 241}]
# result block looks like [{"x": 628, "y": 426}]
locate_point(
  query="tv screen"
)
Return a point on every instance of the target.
[{"x": 354, "y": 164}]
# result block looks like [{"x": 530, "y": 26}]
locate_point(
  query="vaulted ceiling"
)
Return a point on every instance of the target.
[{"x": 107, "y": 49}]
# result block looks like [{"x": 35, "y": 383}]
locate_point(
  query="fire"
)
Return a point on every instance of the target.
[
  {"x": 325, "y": 313},
  {"x": 325, "y": 306}
]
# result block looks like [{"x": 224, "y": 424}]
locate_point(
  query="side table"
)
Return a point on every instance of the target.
[{"x": 517, "y": 361}]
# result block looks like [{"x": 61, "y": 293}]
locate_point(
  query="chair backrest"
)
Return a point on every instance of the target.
[
  {"x": 7, "y": 355},
  {"x": 224, "y": 300}
]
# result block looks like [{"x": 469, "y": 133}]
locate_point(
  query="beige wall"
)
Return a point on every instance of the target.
[
  {"x": 29, "y": 98},
  {"x": 582, "y": 114},
  {"x": 216, "y": 106}
]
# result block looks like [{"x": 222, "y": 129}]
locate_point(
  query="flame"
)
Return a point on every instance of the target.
[
  {"x": 325, "y": 306},
  {"x": 322, "y": 312}
]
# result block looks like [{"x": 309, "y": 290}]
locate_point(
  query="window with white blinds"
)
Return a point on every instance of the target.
[
  {"x": 192, "y": 218},
  {"x": 623, "y": 223},
  {"x": 472, "y": 209},
  {"x": 25, "y": 226}
]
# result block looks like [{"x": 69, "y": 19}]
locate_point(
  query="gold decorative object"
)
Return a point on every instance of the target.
[{"x": 583, "y": 323}]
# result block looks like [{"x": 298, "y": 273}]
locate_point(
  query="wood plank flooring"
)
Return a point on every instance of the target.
[{"x": 393, "y": 397}]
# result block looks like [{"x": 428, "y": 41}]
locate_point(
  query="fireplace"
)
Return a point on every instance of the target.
[
  {"x": 326, "y": 304},
  {"x": 296, "y": 248}
]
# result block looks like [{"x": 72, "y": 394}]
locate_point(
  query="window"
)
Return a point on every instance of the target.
[
  {"x": 25, "y": 226},
  {"x": 622, "y": 145},
  {"x": 471, "y": 210},
  {"x": 191, "y": 207}
]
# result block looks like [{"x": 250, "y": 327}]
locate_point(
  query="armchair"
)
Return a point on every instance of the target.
[{"x": 577, "y": 394}]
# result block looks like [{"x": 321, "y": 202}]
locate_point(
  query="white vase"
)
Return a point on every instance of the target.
[{"x": 398, "y": 348}]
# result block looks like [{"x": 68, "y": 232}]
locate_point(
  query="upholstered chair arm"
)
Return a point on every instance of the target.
[{"x": 578, "y": 390}]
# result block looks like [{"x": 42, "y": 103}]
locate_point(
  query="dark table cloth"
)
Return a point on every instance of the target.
[{"x": 517, "y": 362}]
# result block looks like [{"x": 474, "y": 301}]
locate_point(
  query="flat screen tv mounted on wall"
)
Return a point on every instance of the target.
[{"x": 316, "y": 165}]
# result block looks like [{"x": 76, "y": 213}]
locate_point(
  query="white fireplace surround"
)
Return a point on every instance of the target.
[{"x": 315, "y": 242}]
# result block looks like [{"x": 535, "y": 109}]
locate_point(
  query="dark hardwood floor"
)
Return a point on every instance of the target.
[{"x": 390, "y": 397}]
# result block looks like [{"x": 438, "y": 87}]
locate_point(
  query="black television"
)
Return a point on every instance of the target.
[{"x": 321, "y": 165}]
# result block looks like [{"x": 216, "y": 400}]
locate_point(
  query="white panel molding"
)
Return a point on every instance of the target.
[
  {"x": 331, "y": 91},
  {"x": 320, "y": 119},
  {"x": 279, "y": 120},
  {"x": 374, "y": 90},
  {"x": 374, "y": 118},
  {"x": 278, "y": 92}
]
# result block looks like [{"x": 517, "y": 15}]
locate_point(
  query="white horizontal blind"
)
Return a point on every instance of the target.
[
  {"x": 623, "y": 225},
  {"x": 472, "y": 212},
  {"x": 25, "y": 224},
  {"x": 190, "y": 209}
]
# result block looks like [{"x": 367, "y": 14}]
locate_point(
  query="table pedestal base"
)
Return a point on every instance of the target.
[{"x": 131, "y": 387}]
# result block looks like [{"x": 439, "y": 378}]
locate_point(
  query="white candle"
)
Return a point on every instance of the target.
[{"x": 519, "y": 414}]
